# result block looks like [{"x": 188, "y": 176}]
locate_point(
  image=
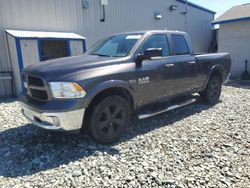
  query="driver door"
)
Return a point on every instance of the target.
[{"x": 150, "y": 84}]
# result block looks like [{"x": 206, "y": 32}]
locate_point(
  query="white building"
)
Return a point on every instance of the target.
[
  {"x": 234, "y": 36},
  {"x": 93, "y": 19}
]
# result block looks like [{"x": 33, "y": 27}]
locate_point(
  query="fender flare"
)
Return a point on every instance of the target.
[
  {"x": 214, "y": 69},
  {"x": 109, "y": 85}
]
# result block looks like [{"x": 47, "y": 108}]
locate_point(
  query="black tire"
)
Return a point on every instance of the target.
[
  {"x": 109, "y": 119},
  {"x": 212, "y": 92}
]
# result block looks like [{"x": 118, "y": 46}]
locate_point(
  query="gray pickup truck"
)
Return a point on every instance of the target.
[{"x": 136, "y": 73}]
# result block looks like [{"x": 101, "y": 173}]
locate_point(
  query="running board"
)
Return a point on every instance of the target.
[{"x": 144, "y": 116}]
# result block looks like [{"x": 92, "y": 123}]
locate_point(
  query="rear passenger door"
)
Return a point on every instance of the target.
[{"x": 184, "y": 65}]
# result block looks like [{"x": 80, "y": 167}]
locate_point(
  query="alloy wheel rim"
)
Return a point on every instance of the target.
[{"x": 111, "y": 120}]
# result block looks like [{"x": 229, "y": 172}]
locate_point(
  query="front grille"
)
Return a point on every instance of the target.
[
  {"x": 35, "y": 81},
  {"x": 39, "y": 94},
  {"x": 36, "y": 88}
]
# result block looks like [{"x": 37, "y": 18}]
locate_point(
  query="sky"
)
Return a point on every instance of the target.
[{"x": 219, "y": 6}]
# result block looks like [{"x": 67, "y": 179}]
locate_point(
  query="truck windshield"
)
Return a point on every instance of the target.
[{"x": 115, "y": 46}]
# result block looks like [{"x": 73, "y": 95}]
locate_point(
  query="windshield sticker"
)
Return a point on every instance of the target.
[{"x": 133, "y": 36}]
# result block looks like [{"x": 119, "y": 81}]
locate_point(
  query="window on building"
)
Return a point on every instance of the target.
[
  {"x": 51, "y": 49},
  {"x": 180, "y": 45},
  {"x": 157, "y": 41}
]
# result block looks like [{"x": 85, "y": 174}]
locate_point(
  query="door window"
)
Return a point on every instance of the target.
[
  {"x": 180, "y": 45},
  {"x": 157, "y": 41}
]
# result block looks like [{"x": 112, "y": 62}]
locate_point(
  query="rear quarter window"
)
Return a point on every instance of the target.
[{"x": 180, "y": 45}]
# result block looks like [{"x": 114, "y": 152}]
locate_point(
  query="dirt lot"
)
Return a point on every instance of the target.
[{"x": 195, "y": 146}]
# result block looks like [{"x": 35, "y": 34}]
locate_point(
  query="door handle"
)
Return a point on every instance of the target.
[
  {"x": 169, "y": 65},
  {"x": 191, "y": 62}
]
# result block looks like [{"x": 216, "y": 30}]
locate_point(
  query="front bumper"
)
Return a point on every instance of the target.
[{"x": 68, "y": 120}]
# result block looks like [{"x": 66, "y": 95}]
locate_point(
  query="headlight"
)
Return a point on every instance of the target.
[{"x": 66, "y": 90}]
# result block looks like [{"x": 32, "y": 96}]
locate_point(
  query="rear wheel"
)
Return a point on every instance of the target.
[
  {"x": 212, "y": 92},
  {"x": 109, "y": 119}
]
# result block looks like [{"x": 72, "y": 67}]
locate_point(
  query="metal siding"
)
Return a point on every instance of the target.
[
  {"x": 76, "y": 47},
  {"x": 43, "y": 34},
  {"x": 5, "y": 86},
  {"x": 36, "y": 15},
  {"x": 128, "y": 16},
  {"x": 15, "y": 65},
  {"x": 121, "y": 15},
  {"x": 234, "y": 38},
  {"x": 30, "y": 52},
  {"x": 199, "y": 29}
]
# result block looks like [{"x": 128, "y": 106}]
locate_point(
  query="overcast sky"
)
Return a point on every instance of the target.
[{"x": 219, "y": 6}]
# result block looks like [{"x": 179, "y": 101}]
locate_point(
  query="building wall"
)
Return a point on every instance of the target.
[
  {"x": 234, "y": 38},
  {"x": 199, "y": 29},
  {"x": 76, "y": 47},
  {"x": 14, "y": 59},
  {"x": 129, "y": 15},
  {"x": 45, "y": 15},
  {"x": 121, "y": 15}
]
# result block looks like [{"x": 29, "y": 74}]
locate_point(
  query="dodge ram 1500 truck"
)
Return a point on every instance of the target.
[{"x": 143, "y": 73}]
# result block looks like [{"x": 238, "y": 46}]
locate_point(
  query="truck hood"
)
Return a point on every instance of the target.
[{"x": 58, "y": 67}]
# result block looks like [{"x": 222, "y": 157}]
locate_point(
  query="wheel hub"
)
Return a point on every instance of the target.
[{"x": 111, "y": 119}]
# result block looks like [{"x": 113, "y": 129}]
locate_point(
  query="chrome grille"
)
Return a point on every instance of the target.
[
  {"x": 36, "y": 88},
  {"x": 35, "y": 81},
  {"x": 39, "y": 94}
]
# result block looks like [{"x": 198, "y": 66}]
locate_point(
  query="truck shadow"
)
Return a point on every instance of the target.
[
  {"x": 239, "y": 84},
  {"x": 27, "y": 150},
  {"x": 7, "y": 100}
]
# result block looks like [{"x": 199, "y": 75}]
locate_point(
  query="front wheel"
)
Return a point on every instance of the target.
[
  {"x": 109, "y": 119},
  {"x": 212, "y": 92}
]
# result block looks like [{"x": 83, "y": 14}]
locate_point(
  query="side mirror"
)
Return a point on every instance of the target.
[
  {"x": 148, "y": 54},
  {"x": 152, "y": 52}
]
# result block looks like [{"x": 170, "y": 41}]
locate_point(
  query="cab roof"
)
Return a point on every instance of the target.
[{"x": 151, "y": 31}]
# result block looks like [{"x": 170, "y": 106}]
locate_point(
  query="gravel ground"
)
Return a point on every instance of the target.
[{"x": 195, "y": 146}]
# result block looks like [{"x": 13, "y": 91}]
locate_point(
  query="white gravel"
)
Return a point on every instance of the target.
[{"x": 195, "y": 146}]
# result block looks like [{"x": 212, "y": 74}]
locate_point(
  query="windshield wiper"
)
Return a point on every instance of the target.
[{"x": 103, "y": 55}]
